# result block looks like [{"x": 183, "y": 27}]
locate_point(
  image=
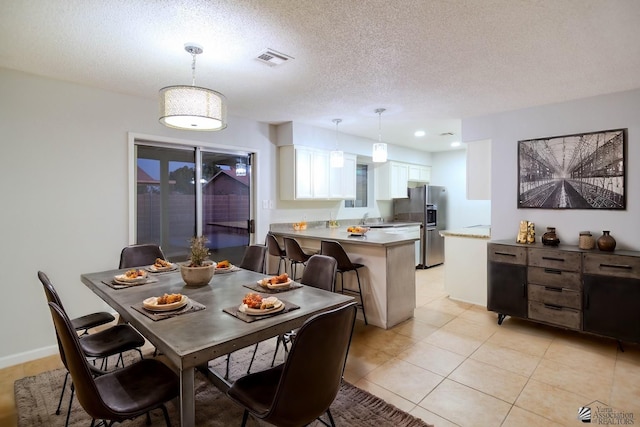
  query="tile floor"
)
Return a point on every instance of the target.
[{"x": 452, "y": 365}]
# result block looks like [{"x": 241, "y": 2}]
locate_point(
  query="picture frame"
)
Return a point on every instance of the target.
[{"x": 579, "y": 171}]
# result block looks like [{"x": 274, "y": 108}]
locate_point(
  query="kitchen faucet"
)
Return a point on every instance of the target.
[{"x": 363, "y": 221}]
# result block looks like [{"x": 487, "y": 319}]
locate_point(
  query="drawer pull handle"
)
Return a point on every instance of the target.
[
  {"x": 552, "y": 271},
  {"x": 624, "y": 267},
  {"x": 552, "y": 259},
  {"x": 505, "y": 253},
  {"x": 553, "y": 307},
  {"x": 549, "y": 288}
]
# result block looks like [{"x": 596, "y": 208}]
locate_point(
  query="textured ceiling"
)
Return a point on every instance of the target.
[{"x": 429, "y": 63}]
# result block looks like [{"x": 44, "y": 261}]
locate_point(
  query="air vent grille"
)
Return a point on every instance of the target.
[{"x": 273, "y": 58}]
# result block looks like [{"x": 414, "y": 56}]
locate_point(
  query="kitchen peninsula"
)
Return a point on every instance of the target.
[
  {"x": 388, "y": 279},
  {"x": 465, "y": 272}
]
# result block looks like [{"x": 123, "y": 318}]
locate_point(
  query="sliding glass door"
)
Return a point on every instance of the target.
[{"x": 171, "y": 208}]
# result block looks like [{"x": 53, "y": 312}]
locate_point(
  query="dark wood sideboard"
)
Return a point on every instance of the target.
[{"x": 589, "y": 291}]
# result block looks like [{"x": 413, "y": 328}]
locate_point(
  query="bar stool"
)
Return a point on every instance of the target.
[
  {"x": 295, "y": 254},
  {"x": 275, "y": 249},
  {"x": 334, "y": 249}
]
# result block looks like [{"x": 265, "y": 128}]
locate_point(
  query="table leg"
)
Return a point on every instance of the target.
[{"x": 187, "y": 398}]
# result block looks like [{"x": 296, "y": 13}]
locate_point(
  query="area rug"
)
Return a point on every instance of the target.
[{"x": 37, "y": 398}]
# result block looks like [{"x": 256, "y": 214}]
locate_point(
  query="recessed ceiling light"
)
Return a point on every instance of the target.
[
  {"x": 455, "y": 144},
  {"x": 419, "y": 133}
]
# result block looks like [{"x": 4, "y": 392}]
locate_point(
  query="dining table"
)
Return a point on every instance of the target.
[{"x": 210, "y": 325}]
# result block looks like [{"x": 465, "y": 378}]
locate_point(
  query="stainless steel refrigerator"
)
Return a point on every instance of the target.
[{"x": 426, "y": 204}]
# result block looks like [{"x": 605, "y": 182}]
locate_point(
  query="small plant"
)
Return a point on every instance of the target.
[{"x": 199, "y": 251}]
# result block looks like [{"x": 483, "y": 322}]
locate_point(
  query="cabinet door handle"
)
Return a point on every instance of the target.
[
  {"x": 549, "y": 288},
  {"x": 524, "y": 290},
  {"x": 504, "y": 253},
  {"x": 621, "y": 266},
  {"x": 553, "y": 307},
  {"x": 553, "y": 259},
  {"x": 586, "y": 302},
  {"x": 552, "y": 271}
]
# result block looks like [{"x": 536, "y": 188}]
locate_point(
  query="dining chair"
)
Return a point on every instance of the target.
[
  {"x": 334, "y": 249},
  {"x": 303, "y": 387},
  {"x": 320, "y": 273},
  {"x": 139, "y": 255},
  {"x": 115, "y": 340},
  {"x": 253, "y": 258},
  {"x": 295, "y": 254},
  {"x": 118, "y": 395},
  {"x": 274, "y": 249}
]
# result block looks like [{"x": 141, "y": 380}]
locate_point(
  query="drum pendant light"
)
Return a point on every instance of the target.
[
  {"x": 336, "y": 159},
  {"x": 193, "y": 107},
  {"x": 379, "y": 148}
]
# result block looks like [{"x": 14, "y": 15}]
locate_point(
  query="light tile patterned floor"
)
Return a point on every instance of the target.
[{"x": 452, "y": 365}]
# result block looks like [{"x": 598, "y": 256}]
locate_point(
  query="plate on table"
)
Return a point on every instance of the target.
[
  {"x": 123, "y": 279},
  {"x": 265, "y": 284},
  {"x": 155, "y": 269},
  {"x": 152, "y": 304},
  {"x": 224, "y": 269},
  {"x": 279, "y": 306}
]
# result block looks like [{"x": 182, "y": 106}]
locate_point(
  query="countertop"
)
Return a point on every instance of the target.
[
  {"x": 471, "y": 232},
  {"x": 375, "y": 236}
]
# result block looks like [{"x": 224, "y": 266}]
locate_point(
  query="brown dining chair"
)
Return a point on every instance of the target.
[
  {"x": 295, "y": 254},
  {"x": 334, "y": 249},
  {"x": 304, "y": 386},
  {"x": 118, "y": 395},
  {"x": 139, "y": 255},
  {"x": 274, "y": 249},
  {"x": 320, "y": 273},
  {"x": 115, "y": 340},
  {"x": 253, "y": 258}
]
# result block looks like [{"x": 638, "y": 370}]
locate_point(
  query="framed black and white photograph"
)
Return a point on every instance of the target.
[{"x": 581, "y": 171}]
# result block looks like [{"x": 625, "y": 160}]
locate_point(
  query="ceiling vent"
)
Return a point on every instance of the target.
[{"x": 273, "y": 58}]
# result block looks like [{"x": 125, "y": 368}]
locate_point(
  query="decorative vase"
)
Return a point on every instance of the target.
[
  {"x": 197, "y": 276},
  {"x": 586, "y": 240},
  {"x": 606, "y": 242},
  {"x": 550, "y": 238}
]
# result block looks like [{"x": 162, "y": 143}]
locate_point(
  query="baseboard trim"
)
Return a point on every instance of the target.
[{"x": 27, "y": 356}]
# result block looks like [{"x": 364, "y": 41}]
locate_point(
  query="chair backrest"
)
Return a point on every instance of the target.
[
  {"x": 253, "y": 258},
  {"x": 139, "y": 255},
  {"x": 294, "y": 251},
  {"x": 78, "y": 367},
  {"x": 335, "y": 250},
  {"x": 320, "y": 272},
  {"x": 312, "y": 373},
  {"x": 52, "y": 296},
  {"x": 273, "y": 246}
]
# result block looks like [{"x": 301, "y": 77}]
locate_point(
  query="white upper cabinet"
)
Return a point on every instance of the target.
[
  {"x": 391, "y": 180},
  {"x": 305, "y": 174},
  {"x": 479, "y": 170},
  {"x": 419, "y": 173}
]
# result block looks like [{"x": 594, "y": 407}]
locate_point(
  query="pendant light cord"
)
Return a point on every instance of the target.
[
  {"x": 337, "y": 122},
  {"x": 380, "y": 111}
]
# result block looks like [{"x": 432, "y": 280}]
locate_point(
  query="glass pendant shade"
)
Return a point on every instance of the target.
[
  {"x": 379, "y": 152},
  {"x": 336, "y": 159},
  {"x": 192, "y": 108},
  {"x": 241, "y": 169}
]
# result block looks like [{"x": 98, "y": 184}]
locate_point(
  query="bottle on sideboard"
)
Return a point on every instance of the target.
[{"x": 606, "y": 242}]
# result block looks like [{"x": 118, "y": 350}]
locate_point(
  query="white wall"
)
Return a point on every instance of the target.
[
  {"x": 64, "y": 189},
  {"x": 614, "y": 111},
  {"x": 450, "y": 170}
]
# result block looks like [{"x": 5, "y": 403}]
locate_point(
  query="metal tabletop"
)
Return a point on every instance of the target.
[{"x": 192, "y": 339}]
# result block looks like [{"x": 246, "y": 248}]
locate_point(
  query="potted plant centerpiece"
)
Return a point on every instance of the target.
[{"x": 199, "y": 270}]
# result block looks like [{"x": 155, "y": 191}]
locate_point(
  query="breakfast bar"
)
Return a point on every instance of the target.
[{"x": 388, "y": 279}]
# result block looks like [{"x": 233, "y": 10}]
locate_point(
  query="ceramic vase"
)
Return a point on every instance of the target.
[
  {"x": 606, "y": 242},
  {"x": 550, "y": 238}
]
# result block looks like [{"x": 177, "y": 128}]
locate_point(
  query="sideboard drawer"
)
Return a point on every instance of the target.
[
  {"x": 612, "y": 265},
  {"x": 555, "y": 315},
  {"x": 553, "y": 258},
  {"x": 507, "y": 254},
  {"x": 555, "y": 296},
  {"x": 554, "y": 277}
]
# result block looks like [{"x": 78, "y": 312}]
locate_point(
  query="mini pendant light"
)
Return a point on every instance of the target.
[
  {"x": 379, "y": 148},
  {"x": 336, "y": 160},
  {"x": 193, "y": 107}
]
